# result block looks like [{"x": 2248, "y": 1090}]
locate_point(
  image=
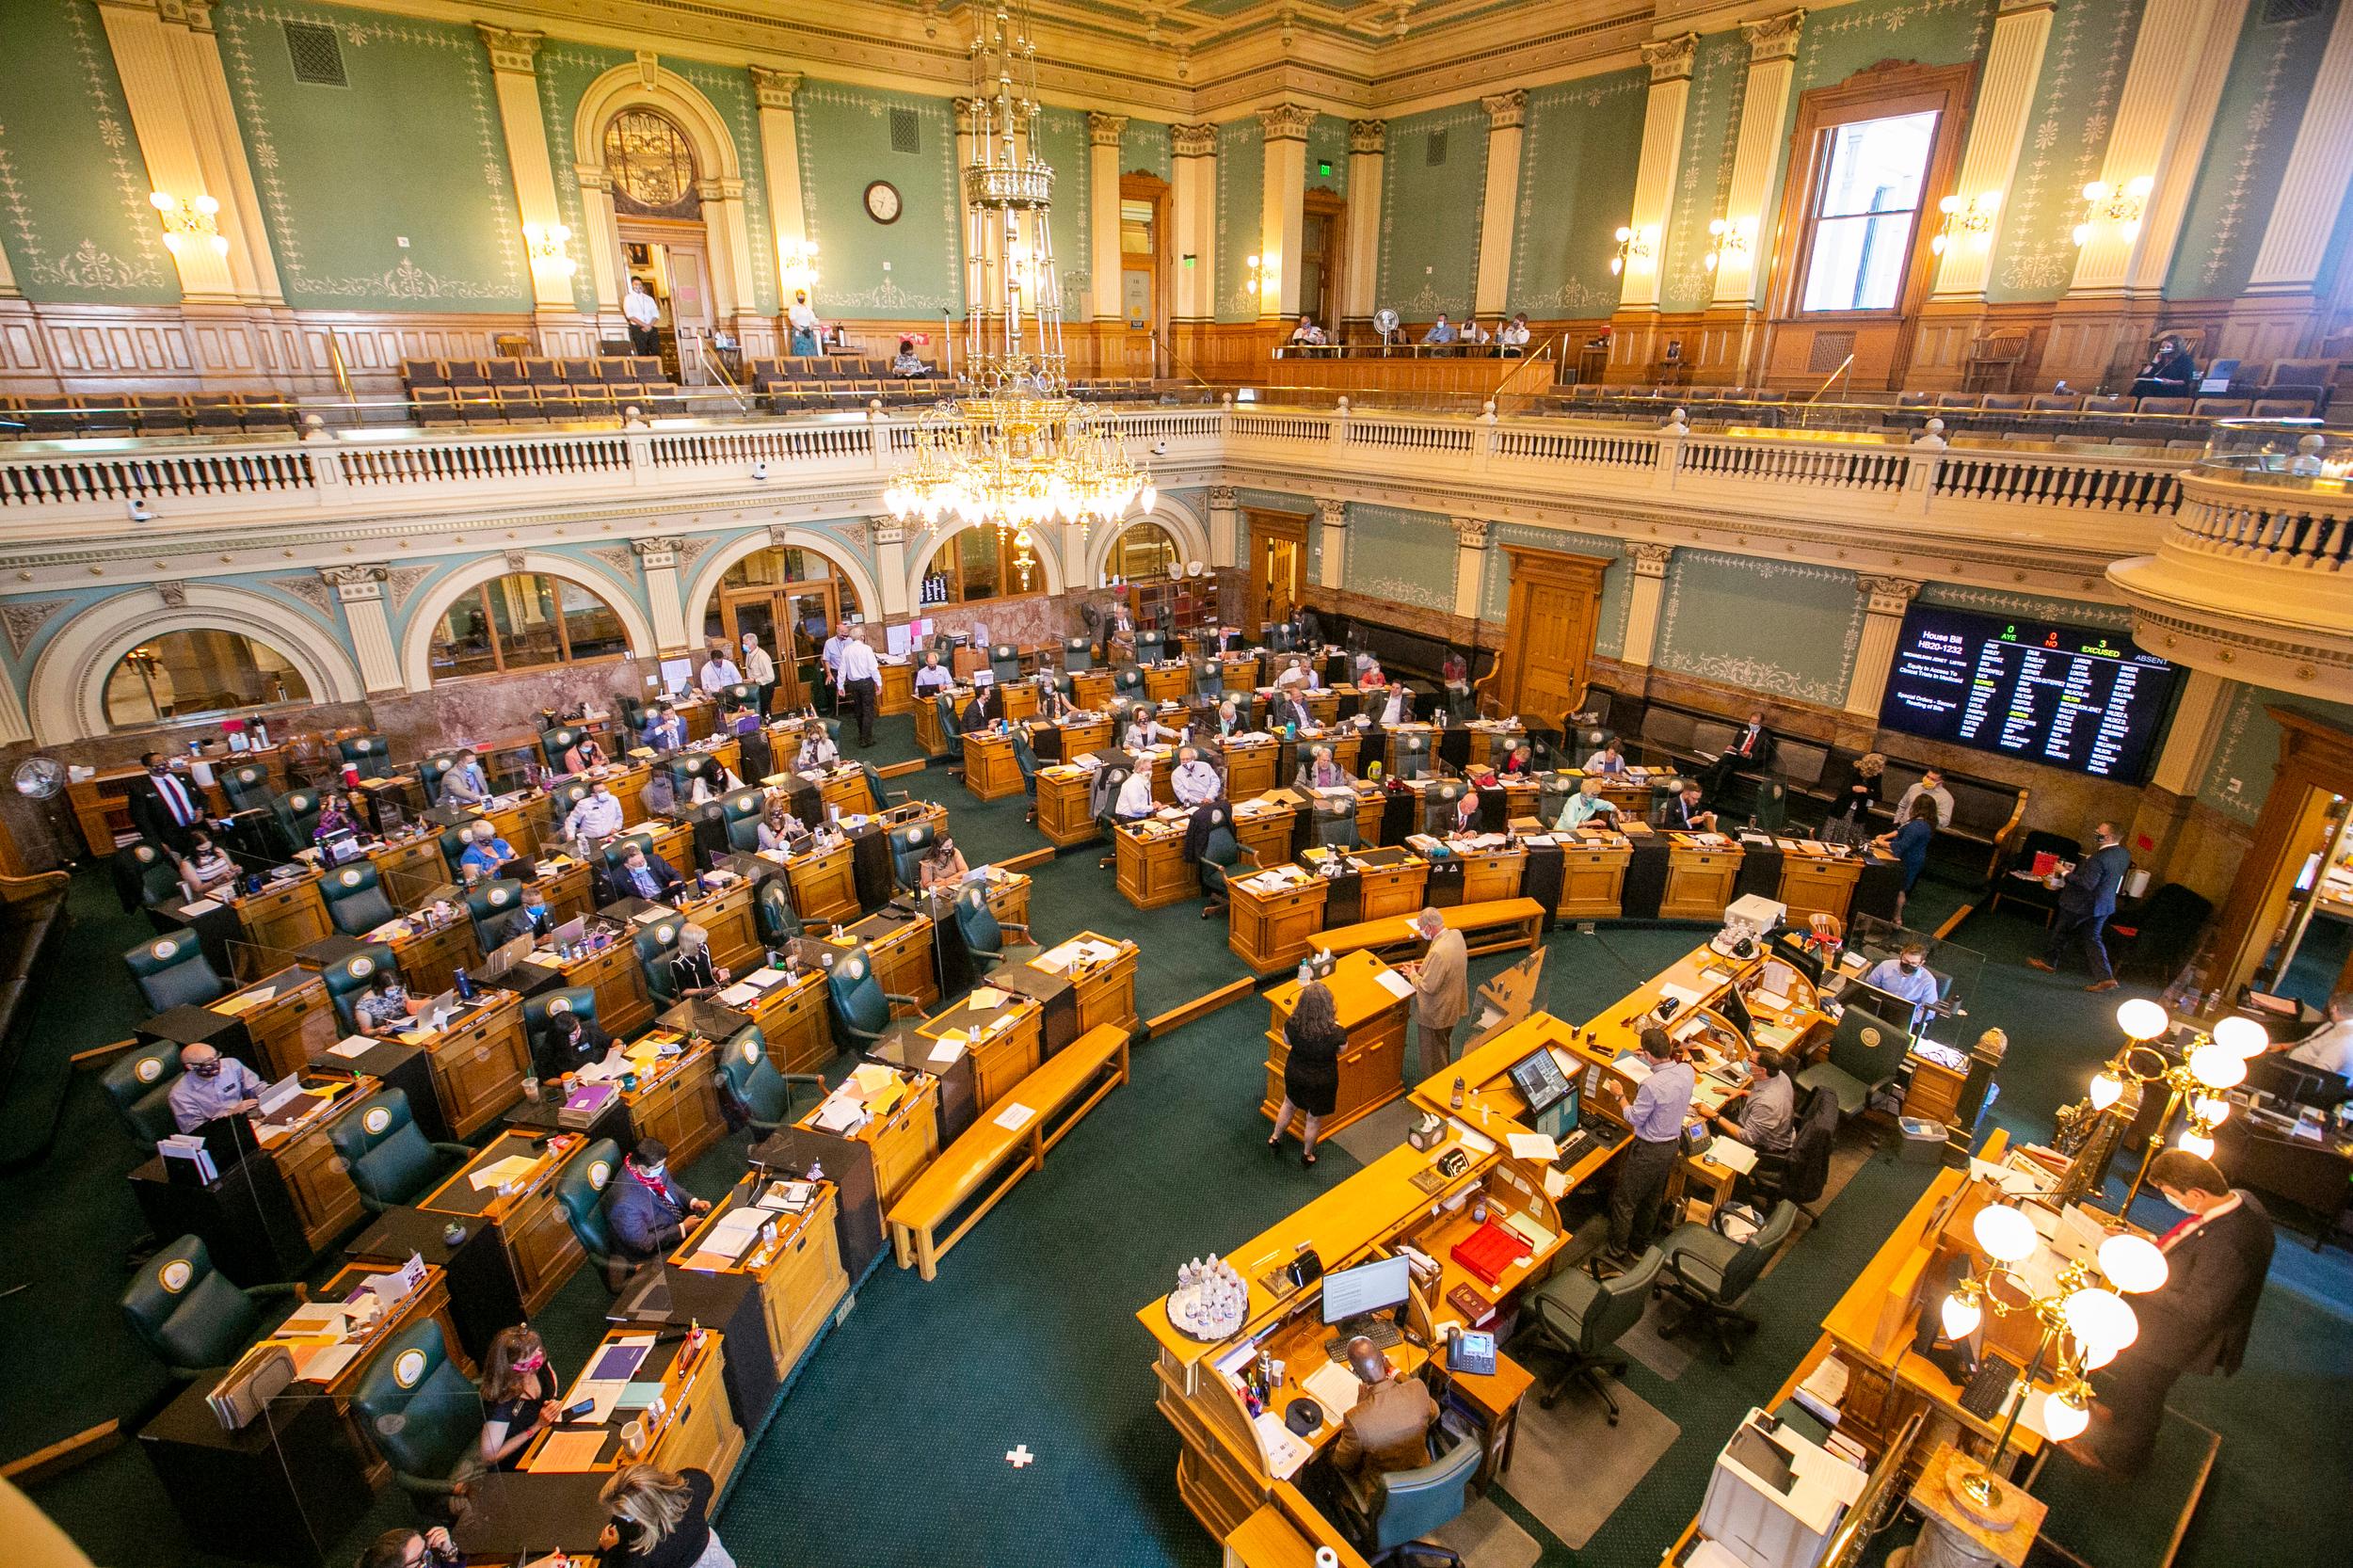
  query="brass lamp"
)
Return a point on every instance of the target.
[{"x": 2213, "y": 1062}]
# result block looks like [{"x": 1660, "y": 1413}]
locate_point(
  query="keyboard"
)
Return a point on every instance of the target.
[
  {"x": 1583, "y": 1143},
  {"x": 1989, "y": 1387},
  {"x": 1382, "y": 1331}
]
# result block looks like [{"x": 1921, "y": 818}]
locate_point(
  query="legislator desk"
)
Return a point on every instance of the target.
[
  {"x": 329, "y": 1360},
  {"x": 285, "y": 1014},
  {"x": 1372, "y": 1003},
  {"x": 790, "y": 1008},
  {"x": 869, "y": 1137},
  {"x": 516, "y": 817},
  {"x": 1169, "y": 681},
  {"x": 284, "y": 915},
  {"x": 483, "y": 1294},
  {"x": 1271, "y": 917},
  {"x": 429, "y": 946},
  {"x": 1250, "y": 760},
  {"x": 675, "y": 1413},
  {"x": 1063, "y": 789},
  {"x": 991, "y": 771},
  {"x": 726, "y": 913},
  {"x": 979, "y": 1049},
  {"x": 1592, "y": 872},
  {"x": 612, "y": 972},
  {"x": 898, "y": 687},
  {"x": 1083, "y": 983},
  {"x": 1268, "y": 826},
  {"x": 316, "y": 1178},
  {"x": 930, "y": 733},
  {"x": 794, "y": 1259},
  {"x": 1153, "y": 871},
  {"x": 480, "y": 1059},
  {"x": 1702, "y": 872},
  {"x": 1092, "y": 690},
  {"x": 1474, "y": 868},
  {"x": 409, "y": 864},
  {"x": 534, "y": 1239},
  {"x": 1074, "y": 735},
  {"x": 1369, "y": 884},
  {"x": 676, "y": 1096},
  {"x": 285, "y": 1488},
  {"x": 825, "y": 879},
  {"x": 901, "y": 947}
]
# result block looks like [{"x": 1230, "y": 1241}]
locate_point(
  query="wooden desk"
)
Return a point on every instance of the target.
[
  {"x": 480, "y": 1061},
  {"x": 1389, "y": 880},
  {"x": 1592, "y": 876},
  {"x": 676, "y": 1097},
  {"x": 1063, "y": 816},
  {"x": 1005, "y": 1042},
  {"x": 1494, "y": 1399},
  {"x": 698, "y": 1427},
  {"x": 282, "y": 918},
  {"x": 1700, "y": 877},
  {"x": 1091, "y": 689},
  {"x": 1106, "y": 990},
  {"x": 1490, "y": 874},
  {"x": 316, "y": 1178},
  {"x": 793, "y": 1018},
  {"x": 287, "y": 1016},
  {"x": 798, "y": 1269},
  {"x": 1271, "y": 926},
  {"x": 825, "y": 882},
  {"x": 1168, "y": 683},
  {"x": 727, "y": 915},
  {"x": 1817, "y": 884},
  {"x": 1372, "y": 1065},
  {"x": 427, "y": 1302},
  {"x": 1264, "y": 827},
  {"x": 1251, "y": 761},
  {"x": 898, "y": 689},
  {"x": 623, "y": 1005},
  {"x": 990, "y": 770},
  {"x": 902, "y": 953},
  {"x": 930, "y": 733},
  {"x": 430, "y": 955},
  {"x": 1153, "y": 871},
  {"x": 895, "y": 1146},
  {"x": 541, "y": 1250}
]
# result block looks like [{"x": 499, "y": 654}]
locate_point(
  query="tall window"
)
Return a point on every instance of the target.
[
  {"x": 978, "y": 564},
  {"x": 651, "y": 165},
  {"x": 181, "y": 673},
  {"x": 1866, "y": 210},
  {"x": 523, "y": 621},
  {"x": 1145, "y": 553}
]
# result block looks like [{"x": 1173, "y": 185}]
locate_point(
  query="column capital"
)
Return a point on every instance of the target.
[
  {"x": 1104, "y": 130},
  {"x": 1333, "y": 513},
  {"x": 774, "y": 89},
  {"x": 1890, "y": 596},
  {"x": 2011, "y": 8},
  {"x": 657, "y": 551},
  {"x": 1286, "y": 121},
  {"x": 1471, "y": 533},
  {"x": 1223, "y": 497},
  {"x": 1670, "y": 58},
  {"x": 1775, "y": 38},
  {"x": 1650, "y": 560},
  {"x": 1368, "y": 135},
  {"x": 195, "y": 15},
  {"x": 173, "y": 593},
  {"x": 1506, "y": 110},
  {"x": 357, "y": 584},
  {"x": 1193, "y": 141},
  {"x": 512, "y": 50},
  {"x": 883, "y": 531}
]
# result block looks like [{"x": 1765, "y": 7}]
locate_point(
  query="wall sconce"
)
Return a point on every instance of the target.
[
  {"x": 547, "y": 243},
  {"x": 800, "y": 263},
  {"x": 1730, "y": 239},
  {"x": 1636, "y": 248},
  {"x": 1970, "y": 218},
  {"x": 187, "y": 217},
  {"x": 2105, "y": 204},
  {"x": 1261, "y": 273}
]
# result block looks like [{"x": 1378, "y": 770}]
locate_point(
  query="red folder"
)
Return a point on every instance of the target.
[{"x": 1488, "y": 1250}]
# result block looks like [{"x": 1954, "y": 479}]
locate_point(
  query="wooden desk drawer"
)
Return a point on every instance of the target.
[
  {"x": 541, "y": 1246},
  {"x": 325, "y": 1200},
  {"x": 905, "y": 1146}
]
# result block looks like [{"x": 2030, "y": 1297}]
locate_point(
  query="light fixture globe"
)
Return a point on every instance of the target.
[
  {"x": 2065, "y": 1415},
  {"x": 2196, "y": 1143},
  {"x": 2217, "y": 1066},
  {"x": 2243, "y": 1037},
  {"x": 2209, "y": 1111},
  {"x": 2007, "y": 1235},
  {"x": 2142, "y": 1019},
  {"x": 2106, "y": 1089},
  {"x": 2131, "y": 1263},
  {"x": 1960, "y": 1315},
  {"x": 2101, "y": 1321}
]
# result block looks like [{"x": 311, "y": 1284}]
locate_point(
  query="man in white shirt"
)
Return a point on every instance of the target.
[
  {"x": 1195, "y": 782},
  {"x": 1513, "y": 338},
  {"x": 719, "y": 672},
  {"x": 759, "y": 669},
  {"x": 645, "y": 318},
  {"x": 832, "y": 661},
  {"x": 596, "y": 816},
  {"x": 1295, "y": 677},
  {"x": 1931, "y": 785},
  {"x": 2329, "y": 1048},
  {"x": 806, "y": 326},
  {"x": 931, "y": 675},
  {"x": 862, "y": 681},
  {"x": 1135, "y": 796},
  {"x": 1396, "y": 706},
  {"x": 212, "y": 1086}
]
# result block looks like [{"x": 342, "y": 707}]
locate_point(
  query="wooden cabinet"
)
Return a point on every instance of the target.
[
  {"x": 1153, "y": 871},
  {"x": 1593, "y": 881},
  {"x": 990, "y": 770},
  {"x": 902, "y": 962},
  {"x": 1062, "y": 806},
  {"x": 1698, "y": 880},
  {"x": 294, "y": 1025},
  {"x": 1000, "y": 1063},
  {"x": 797, "y": 1022},
  {"x": 479, "y": 1066},
  {"x": 1372, "y": 1065},
  {"x": 1812, "y": 884},
  {"x": 1387, "y": 890},
  {"x": 1372, "y": 1069},
  {"x": 1273, "y": 931},
  {"x": 824, "y": 887},
  {"x": 906, "y": 1141},
  {"x": 804, "y": 1282}
]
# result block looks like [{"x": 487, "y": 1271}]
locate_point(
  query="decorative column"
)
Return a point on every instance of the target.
[
  {"x": 2312, "y": 193},
  {"x": 1882, "y": 630},
  {"x": 14, "y": 723},
  {"x": 361, "y": 591},
  {"x": 730, "y": 247},
  {"x": 658, "y": 559},
  {"x": 221, "y": 147},
  {"x": 1507, "y": 114},
  {"x": 1193, "y": 162},
  {"x": 1360, "y": 281},
  {"x": 1650, "y": 592},
  {"x": 514, "y": 73},
  {"x": 1283, "y": 206},
  {"x": 1103, "y": 133},
  {"x": 1670, "y": 63},
  {"x": 1333, "y": 514},
  {"x": 891, "y": 565},
  {"x": 1764, "y": 115},
  {"x": 1997, "y": 130},
  {"x": 602, "y": 242},
  {"x": 780, "y": 169},
  {"x": 1225, "y": 527},
  {"x": 1470, "y": 564}
]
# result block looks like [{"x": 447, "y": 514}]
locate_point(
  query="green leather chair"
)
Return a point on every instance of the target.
[
  {"x": 347, "y": 977},
  {"x": 391, "y": 1160},
  {"x": 1335, "y": 825},
  {"x": 298, "y": 813},
  {"x": 188, "y": 1313},
  {"x": 560, "y": 803},
  {"x": 1221, "y": 852},
  {"x": 555, "y": 741},
  {"x": 564, "y": 999},
  {"x": 984, "y": 935},
  {"x": 631, "y": 712},
  {"x": 152, "y": 869},
  {"x": 489, "y": 904},
  {"x": 1865, "y": 1051},
  {"x": 1553, "y": 791},
  {"x": 354, "y": 899},
  {"x": 171, "y": 970},
  {"x": 453, "y": 842},
  {"x": 764, "y": 1095},
  {"x": 424, "y": 1414},
  {"x": 688, "y": 767},
  {"x": 946, "y": 705},
  {"x": 1391, "y": 1510},
  {"x": 580, "y": 1189},
  {"x": 656, "y": 944},
  {"x": 1772, "y": 805},
  {"x": 1438, "y": 805},
  {"x": 861, "y": 1008},
  {"x": 771, "y": 906},
  {"x": 741, "y": 810},
  {"x": 1151, "y": 647},
  {"x": 1077, "y": 653},
  {"x": 248, "y": 787},
  {"x": 372, "y": 754},
  {"x": 908, "y": 846},
  {"x": 1582, "y": 1318},
  {"x": 1710, "y": 1272},
  {"x": 1208, "y": 679},
  {"x": 139, "y": 1084},
  {"x": 1004, "y": 663},
  {"x": 1127, "y": 686},
  {"x": 617, "y": 848},
  {"x": 1410, "y": 757},
  {"x": 429, "y": 774}
]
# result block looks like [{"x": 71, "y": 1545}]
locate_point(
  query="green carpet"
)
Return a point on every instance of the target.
[{"x": 890, "y": 1448}]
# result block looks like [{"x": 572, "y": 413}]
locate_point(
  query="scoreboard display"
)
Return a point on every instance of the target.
[{"x": 2066, "y": 697}]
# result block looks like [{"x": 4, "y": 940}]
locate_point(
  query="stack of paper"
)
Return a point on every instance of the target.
[
  {"x": 501, "y": 1172},
  {"x": 1732, "y": 1154},
  {"x": 1393, "y": 983}
]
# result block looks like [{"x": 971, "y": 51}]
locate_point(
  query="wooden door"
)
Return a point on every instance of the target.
[
  {"x": 1278, "y": 563},
  {"x": 690, "y": 307},
  {"x": 1142, "y": 274},
  {"x": 1555, "y": 603},
  {"x": 2316, "y": 765},
  {"x": 1320, "y": 226}
]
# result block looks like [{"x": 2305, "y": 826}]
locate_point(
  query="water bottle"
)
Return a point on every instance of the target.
[
  {"x": 1455, "y": 1101},
  {"x": 465, "y": 986}
]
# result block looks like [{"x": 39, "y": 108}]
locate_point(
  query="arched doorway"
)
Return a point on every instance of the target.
[
  {"x": 791, "y": 597},
  {"x": 657, "y": 208}
]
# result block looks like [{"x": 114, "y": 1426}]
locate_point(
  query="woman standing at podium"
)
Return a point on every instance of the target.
[{"x": 1311, "y": 1065}]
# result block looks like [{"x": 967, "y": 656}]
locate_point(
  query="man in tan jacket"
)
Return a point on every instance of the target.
[
  {"x": 1441, "y": 989},
  {"x": 1388, "y": 1429}
]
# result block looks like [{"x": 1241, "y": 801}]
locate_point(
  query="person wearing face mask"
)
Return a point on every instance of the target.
[
  {"x": 1907, "y": 977},
  {"x": 692, "y": 975},
  {"x": 569, "y": 1043},
  {"x": 647, "y": 876},
  {"x": 486, "y": 852},
  {"x": 1584, "y": 806},
  {"x": 598, "y": 815},
  {"x": 645, "y": 1212},
  {"x": 409, "y": 1547},
  {"x": 583, "y": 754},
  {"x": 518, "y": 1396},
  {"x": 534, "y": 919},
  {"x": 818, "y": 751},
  {"x": 212, "y": 1086},
  {"x": 466, "y": 784},
  {"x": 660, "y": 795},
  {"x": 760, "y": 668},
  {"x": 205, "y": 866},
  {"x": 336, "y": 815},
  {"x": 665, "y": 731},
  {"x": 1195, "y": 782},
  {"x": 778, "y": 827},
  {"x": 2085, "y": 905},
  {"x": 165, "y": 806},
  {"x": 384, "y": 1007},
  {"x": 943, "y": 865}
]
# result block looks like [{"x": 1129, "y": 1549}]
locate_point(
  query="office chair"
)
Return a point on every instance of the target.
[
  {"x": 188, "y": 1313},
  {"x": 1004, "y": 663},
  {"x": 1582, "y": 1318},
  {"x": 371, "y": 755},
  {"x": 1127, "y": 686},
  {"x": 761, "y": 1095},
  {"x": 617, "y": 848},
  {"x": 1711, "y": 1272},
  {"x": 881, "y": 797},
  {"x": 984, "y": 935},
  {"x": 908, "y": 846},
  {"x": 1410, "y": 758},
  {"x": 580, "y": 1190},
  {"x": 171, "y": 970},
  {"x": 1276, "y": 637},
  {"x": 1025, "y": 762},
  {"x": 1151, "y": 647},
  {"x": 1802, "y": 1173},
  {"x": 1208, "y": 679},
  {"x": 1110, "y": 781},
  {"x": 772, "y": 909},
  {"x": 430, "y": 773},
  {"x": 1772, "y": 805},
  {"x": 688, "y": 768},
  {"x": 248, "y": 787},
  {"x": 354, "y": 895},
  {"x": 424, "y": 1414},
  {"x": 489, "y": 904},
  {"x": 1865, "y": 1050},
  {"x": 631, "y": 712},
  {"x": 391, "y": 1160},
  {"x": 1220, "y": 853},
  {"x": 348, "y": 976},
  {"x": 145, "y": 866},
  {"x": 739, "y": 811},
  {"x": 1077, "y": 653},
  {"x": 537, "y": 1010},
  {"x": 949, "y": 727},
  {"x": 139, "y": 1086},
  {"x": 1396, "y": 1508},
  {"x": 656, "y": 945},
  {"x": 1553, "y": 792},
  {"x": 1438, "y": 805},
  {"x": 298, "y": 813},
  {"x": 1335, "y": 825},
  {"x": 861, "y": 1008},
  {"x": 555, "y": 743},
  {"x": 561, "y": 800}
]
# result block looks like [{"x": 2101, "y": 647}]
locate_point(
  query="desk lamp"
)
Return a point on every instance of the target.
[{"x": 2213, "y": 1062}]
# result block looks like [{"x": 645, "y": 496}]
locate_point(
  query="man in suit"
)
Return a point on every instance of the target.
[
  {"x": 1441, "y": 989},
  {"x": 165, "y": 806},
  {"x": 1752, "y": 748},
  {"x": 1685, "y": 812},
  {"x": 1290, "y": 711},
  {"x": 646, "y": 876},
  {"x": 664, "y": 731},
  {"x": 2086, "y": 902},
  {"x": 1389, "y": 1427},
  {"x": 645, "y": 1212},
  {"x": 534, "y": 919},
  {"x": 2197, "y": 1321}
]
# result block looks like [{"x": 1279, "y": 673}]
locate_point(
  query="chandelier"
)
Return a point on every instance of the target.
[{"x": 1015, "y": 447}]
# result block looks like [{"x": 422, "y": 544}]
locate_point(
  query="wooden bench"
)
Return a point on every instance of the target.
[
  {"x": 1498, "y": 925},
  {"x": 969, "y": 1162}
]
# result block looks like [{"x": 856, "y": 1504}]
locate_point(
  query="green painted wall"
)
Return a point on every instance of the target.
[
  {"x": 74, "y": 212},
  {"x": 1429, "y": 213},
  {"x": 2254, "y": 127},
  {"x": 2246, "y": 753},
  {"x": 1617, "y": 583},
  {"x": 1240, "y": 183},
  {"x": 1576, "y": 185},
  {"x": 844, "y": 134},
  {"x": 729, "y": 92},
  {"x": 1062, "y": 138},
  {"x": 566, "y": 71},
  {"x": 1327, "y": 143},
  {"x": 1407, "y": 557},
  {"x": 1711, "y": 137},
  {"x": 1284, "y": 501},
  {"x": 2067, "y": 137},
  {"x": 1144, "y": 148},
  {"x": 411, "y": 149},
  {"x": 1775, "y": 627},
  {"x": 1991, "y": 602}
]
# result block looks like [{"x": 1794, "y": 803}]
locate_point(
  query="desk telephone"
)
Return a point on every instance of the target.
[{"x": 1453, "y": 1163}]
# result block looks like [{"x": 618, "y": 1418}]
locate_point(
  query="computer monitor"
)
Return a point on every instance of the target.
[
  {"x": 1734, "y": 1011},
  {"x": 1367, "y": 1287},
  {"x": 1539, "y": 1079},
  {"x": 569, "y": 932},
  {"x": 1561, "y": 1118}
]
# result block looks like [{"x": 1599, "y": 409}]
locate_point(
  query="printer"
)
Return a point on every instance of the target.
[{"x": 1776, "y": 1496}]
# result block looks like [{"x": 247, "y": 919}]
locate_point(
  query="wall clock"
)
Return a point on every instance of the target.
[{"x": 882, "y": 201}]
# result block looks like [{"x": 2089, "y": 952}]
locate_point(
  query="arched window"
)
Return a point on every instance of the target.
[
  {"x": 1145, "y": 553},
  {"x": 651, "y": 165},
  {"x": 521, "y": 621},
  {"x": 980, "y": 562},
  {"x": 183, "y": 674}
]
